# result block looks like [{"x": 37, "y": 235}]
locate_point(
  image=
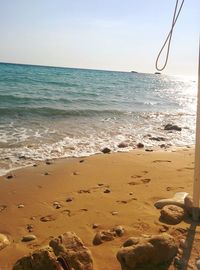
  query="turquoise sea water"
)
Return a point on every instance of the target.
[{"x": 50, "y": 112}]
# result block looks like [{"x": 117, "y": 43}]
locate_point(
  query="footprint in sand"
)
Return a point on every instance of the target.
[
  {"x": 160, "y": 160},
  {"x": 188, "y": 168},
  {"x": 81, "y": 191},
  {"x": 133, "y": 183},
  {"x": 146, "y": 180},
  {"x": 173, "y": 188},
  {"x": 136, "y": 176},
  {"x": 185, "y": 168},
  {"x": 140, "y": 181},
  {"x": 126, "y": 201},
  {"x": 83, "y": 209},
  {"x": 66, "y": 211},
  {"x": 47, "y": 218}
]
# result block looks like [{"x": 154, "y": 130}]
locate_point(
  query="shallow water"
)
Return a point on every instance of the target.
[{"x": 50, "y": 112}]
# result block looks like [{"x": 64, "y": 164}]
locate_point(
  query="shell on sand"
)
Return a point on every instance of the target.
[{"x": 177, "y": 199}]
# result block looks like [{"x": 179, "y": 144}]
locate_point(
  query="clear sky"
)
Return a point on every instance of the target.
[{"x": 101, "y": 34}]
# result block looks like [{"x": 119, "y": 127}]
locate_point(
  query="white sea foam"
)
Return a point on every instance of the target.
[{"x": 84, "y": 142}]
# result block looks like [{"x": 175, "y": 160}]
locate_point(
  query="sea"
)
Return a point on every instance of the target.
[{"x": 54, "y": 112}]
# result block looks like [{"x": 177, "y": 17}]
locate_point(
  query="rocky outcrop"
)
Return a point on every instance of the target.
[
  {"x": 71, "y": 248},
  {"x": 148, "y": 251}
]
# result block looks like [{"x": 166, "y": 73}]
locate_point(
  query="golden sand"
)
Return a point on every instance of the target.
[{"x": 136, "y": 180}]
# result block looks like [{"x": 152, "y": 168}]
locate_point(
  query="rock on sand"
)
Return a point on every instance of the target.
[
  {"x": 172, "y": 214},
  {"x": 43, "y": 259},
  {"x": 150, "y": 251},
  {"x": 71, "y": 248}
]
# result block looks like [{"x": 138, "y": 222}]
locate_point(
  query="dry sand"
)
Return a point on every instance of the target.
[{"x": 136, "y": 181}]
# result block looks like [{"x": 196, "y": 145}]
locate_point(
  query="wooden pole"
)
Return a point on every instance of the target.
[{"x": 196, "y": 185}]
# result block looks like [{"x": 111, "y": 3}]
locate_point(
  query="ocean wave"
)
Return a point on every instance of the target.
[
  {"x": 25, "y": 111},
  {"x": 20, "y": 99},
  {"x": 49, "y": 112}
]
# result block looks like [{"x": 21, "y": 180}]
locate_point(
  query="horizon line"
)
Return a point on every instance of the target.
[{"x": 52, "y": 66}]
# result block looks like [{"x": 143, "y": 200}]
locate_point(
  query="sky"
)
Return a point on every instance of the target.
[{"x": 99, "y": 34}]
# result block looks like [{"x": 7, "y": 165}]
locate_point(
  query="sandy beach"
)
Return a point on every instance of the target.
[{"x": 106, "y": 190}]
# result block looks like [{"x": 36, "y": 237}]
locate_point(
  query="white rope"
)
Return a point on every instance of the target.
[{"x": 169, "y": 37}]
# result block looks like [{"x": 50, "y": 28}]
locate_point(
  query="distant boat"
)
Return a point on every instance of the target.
[
  {"x": 158, "y": 73},
  {"x": 134, "y": 71}
]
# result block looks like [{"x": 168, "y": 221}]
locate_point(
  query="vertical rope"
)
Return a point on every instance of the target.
[{"x": 169, "y": 37}]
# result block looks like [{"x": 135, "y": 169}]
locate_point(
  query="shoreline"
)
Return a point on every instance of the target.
[
  {"x": 122, "y": 150},
  {"x": 135, "y": 180}
]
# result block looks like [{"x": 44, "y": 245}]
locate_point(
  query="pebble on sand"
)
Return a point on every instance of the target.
[
  {"x": 48, "y": 162},
  {"x": 140, "y": 145},
  {"x": 76, "y": 173},
  {"x": 3, "y": 207},
  {"x": 172, "y": 127},
  {"x": 4, "y": 242},
  {"x": 69, "y": 199},
  {"x": 47, "y": 218},
  {"x": 57, "y": 205},
  {"x": 20, "y": 205},
  {"x": 9, "y": 176},
  {"x": 94, "y": 226},
  {"x": 122, "y": 145},
  {"x": 114, "y": 213},
  {"x": 119, "y": 230},
  {"x": 107, "y": 190},
  {"x": 29, "y": 237},
  {"x": 106, "y": 150},
  {"x": 29, "y": 227}
]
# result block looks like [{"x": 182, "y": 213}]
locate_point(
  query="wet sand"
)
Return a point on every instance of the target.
[{"x": 107, "y": 190}]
